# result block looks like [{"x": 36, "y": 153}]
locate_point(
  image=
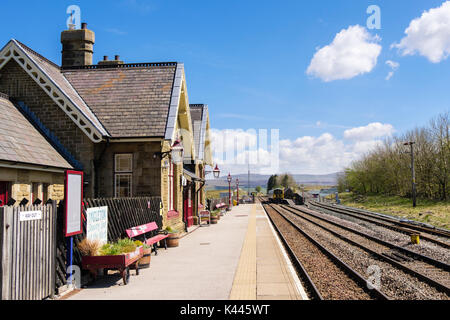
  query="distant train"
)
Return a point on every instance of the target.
[{"x": 279, "y": 195}]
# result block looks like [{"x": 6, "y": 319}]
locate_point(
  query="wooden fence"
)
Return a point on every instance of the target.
[
  {"x": 28, "y": 247},
  {"x": 123, "y": 213}
]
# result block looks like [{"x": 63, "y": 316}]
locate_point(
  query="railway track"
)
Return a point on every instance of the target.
[
  {"x": 326, "y": 275},
  {"x": 433, "y": 272},
  {"x": 390, "y": 223}
]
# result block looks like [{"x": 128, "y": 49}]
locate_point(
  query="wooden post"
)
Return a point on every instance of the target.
[
  {"x": 6, "y": 223},
  {"x": 53, "y": 254}
]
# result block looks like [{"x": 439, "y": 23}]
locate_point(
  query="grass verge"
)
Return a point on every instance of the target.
[{"x": 436, "y": 213}]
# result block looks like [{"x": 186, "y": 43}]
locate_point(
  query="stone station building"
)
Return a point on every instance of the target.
[{"x": 114, "y": 121}]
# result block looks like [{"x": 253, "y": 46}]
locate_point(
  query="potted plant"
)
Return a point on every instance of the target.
[
  {"x": 214, "y": 217},
  {"x": 173, "y": 239},
  {"x": 144, "y": 262}
]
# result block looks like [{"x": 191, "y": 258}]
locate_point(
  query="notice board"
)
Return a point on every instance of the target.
[{"x": 73, "y": 190}]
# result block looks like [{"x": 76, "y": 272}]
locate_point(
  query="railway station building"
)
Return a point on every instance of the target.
[{"x": 117, "y": 122}]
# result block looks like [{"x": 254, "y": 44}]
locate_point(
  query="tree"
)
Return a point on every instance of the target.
[
  {"x": 387, "y": 168},
  {"x": 258, "y": 189},
  {"x": 272, "y": 182}
]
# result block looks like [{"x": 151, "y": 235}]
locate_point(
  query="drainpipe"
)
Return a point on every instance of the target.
[{"x": 97, "y": 163}]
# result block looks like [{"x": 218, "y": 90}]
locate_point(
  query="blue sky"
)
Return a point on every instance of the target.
[{"x": 248, "y": 59}]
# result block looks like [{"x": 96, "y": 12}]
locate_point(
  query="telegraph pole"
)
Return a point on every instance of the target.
[
  {"x": 413, "y": 174},
  {"x": 248, "y": 180}
]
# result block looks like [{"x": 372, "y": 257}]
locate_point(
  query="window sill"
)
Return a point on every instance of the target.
[{"x": 172, "y": 214}]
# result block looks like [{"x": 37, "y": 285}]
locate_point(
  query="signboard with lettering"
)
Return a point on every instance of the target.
[
  {"x": 30, "y": 215},
  {"x": 97, "y": 224},
  {"x": 73, "y": 197}
]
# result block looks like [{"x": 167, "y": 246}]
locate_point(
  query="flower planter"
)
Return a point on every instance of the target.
[
  {"x": 214, "y": 220},
  {"x": 173, "y": 240},
  {"x": 121, "y": 262},
  {"x": 144, "y": 262}
]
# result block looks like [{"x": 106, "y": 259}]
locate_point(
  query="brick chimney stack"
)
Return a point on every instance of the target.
[{"x": 78, "y": 47}]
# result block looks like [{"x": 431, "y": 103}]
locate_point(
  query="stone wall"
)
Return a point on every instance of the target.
[
  {"x": 146, "y": 179},
  {"x": 15, "y": 82},
  {"x": 21, "y": 181}
]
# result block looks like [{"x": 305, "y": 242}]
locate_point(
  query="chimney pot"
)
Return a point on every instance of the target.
[
  {"x": 105, "y": 58},
  {"x": 117, "y": 57},
  {"x": 84, "y": 25}
]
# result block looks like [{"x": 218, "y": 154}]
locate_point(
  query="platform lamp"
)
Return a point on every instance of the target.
[
  {"x": 229, "y": 190},
  {"x": 176, "y": 151},
  {"x": 216, "y": 172},
  {"x": 237, "y": 187}
]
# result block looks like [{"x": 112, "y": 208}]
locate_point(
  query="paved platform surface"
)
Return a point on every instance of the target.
[{"x": 238, "y": 258}]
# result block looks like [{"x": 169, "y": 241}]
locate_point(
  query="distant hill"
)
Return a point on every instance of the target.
[{"x": 261, "y": 180}]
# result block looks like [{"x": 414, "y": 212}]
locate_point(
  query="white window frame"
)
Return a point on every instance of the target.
[
  {"x": 123, "y": 172},
  {"x": 116, "y": 162}
]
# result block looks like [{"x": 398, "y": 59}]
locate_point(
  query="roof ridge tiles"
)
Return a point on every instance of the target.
[{"x": 121, "y": 66}]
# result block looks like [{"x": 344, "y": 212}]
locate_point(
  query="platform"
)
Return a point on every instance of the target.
[{"x": 238, "y": 258}]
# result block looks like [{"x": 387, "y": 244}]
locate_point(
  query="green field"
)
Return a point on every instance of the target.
[{"x": 436, "y": 213}]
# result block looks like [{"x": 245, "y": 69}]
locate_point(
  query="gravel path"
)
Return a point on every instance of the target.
[{"x": 332, "y": 282}]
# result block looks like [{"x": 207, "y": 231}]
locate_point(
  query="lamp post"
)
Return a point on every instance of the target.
[
  {"x": 229, "y": 190},
  {"x": 237, "y": 187},
  {"x": 413, "y": 174}
]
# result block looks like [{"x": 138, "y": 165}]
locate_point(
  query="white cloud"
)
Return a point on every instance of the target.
[
  {"x": 369, "y": 132},
  {"x": 428, "y": 35},
  {"x": 353, "y": 52},
  {"x": 306, "y": 154}
]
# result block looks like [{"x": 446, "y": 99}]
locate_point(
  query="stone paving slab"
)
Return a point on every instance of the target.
[
  {"x": 240, "y": 258},
  {"x": 264, "y": 273},
  {"x": 201, "y": 268}
]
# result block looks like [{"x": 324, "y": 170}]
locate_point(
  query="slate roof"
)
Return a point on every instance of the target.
[
  {"x": 54, "y": 72},
  {"x": 199, "y": 116},
  {"x": 130, "y": 101},
  {"x": 196, "y": 118},
  {"x": 21, "y": 142},
  {"x": 122, "y": 101}
]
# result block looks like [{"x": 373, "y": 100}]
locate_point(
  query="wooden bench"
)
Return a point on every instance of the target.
[
  {"x": 222, "y": 207},
  {"x": 143, "y": 229}
]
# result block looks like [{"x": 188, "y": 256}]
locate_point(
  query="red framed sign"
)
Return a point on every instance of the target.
[{"x": 73, "y": 197}]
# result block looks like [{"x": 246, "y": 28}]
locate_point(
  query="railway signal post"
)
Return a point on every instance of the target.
[{"x": 413, "y": 174}]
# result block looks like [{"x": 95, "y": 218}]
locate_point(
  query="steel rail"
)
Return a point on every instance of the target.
[
  {"x": 373, "y": 219},
  {"x": 374, "y": 292},
  {"x": 399, "y": 223},
  {"x": 440, "y": 286},
  {"x": 437, "y": 263}
]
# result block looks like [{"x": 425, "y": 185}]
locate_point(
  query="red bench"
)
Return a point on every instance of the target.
[
  {"x": 143, "y": 229},
  {"x": 221, "y": 205}
]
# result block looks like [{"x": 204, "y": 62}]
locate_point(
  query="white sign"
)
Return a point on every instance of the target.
[
  {"x": 74, "y": 185},
  {"x": 97, "y": 224},
  {"x": 30, "y": 215}
]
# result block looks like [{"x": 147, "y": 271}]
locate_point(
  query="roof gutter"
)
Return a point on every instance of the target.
[{"x": 35, "y": 167}]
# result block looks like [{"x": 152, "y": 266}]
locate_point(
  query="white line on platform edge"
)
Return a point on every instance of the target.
[{"x": 298, "y": 284}]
